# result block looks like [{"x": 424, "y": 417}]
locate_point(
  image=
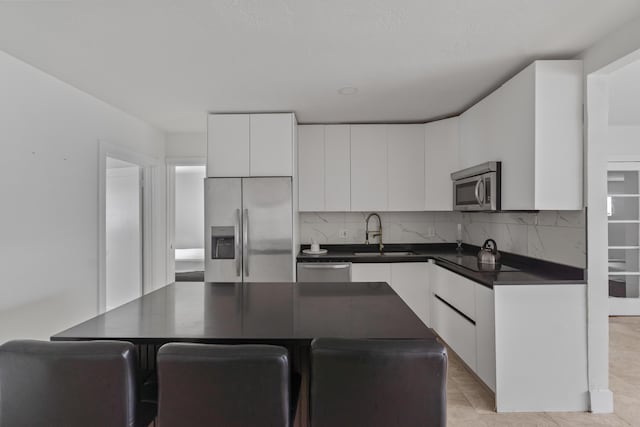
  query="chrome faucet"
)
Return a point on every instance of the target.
[{"x": 377, "y": 233}]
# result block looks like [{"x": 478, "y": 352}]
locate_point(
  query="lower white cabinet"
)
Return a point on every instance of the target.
[
  {"x": 373, "y": 272},
  {"x": 410, "y": 281},
  {"x": 458, "y": 331},
  {"x": 463, "y": 314},
  {"x": 485, "y": 336}
]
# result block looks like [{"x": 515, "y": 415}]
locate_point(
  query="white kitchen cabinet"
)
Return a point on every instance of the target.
[
  {"x": 369, "y": 168},
  {"x": 441, "y": 159},
  {"x": 455, "y": 289},
  {"x": 533, "y": 125},
  {"x": 228, "y": 141},
  {"x": 240, "y": 145},
  {"x": 272, "y": 144},
  {"x": 311, "y": 167},
  {"x": 485, "y": 335},
  {"x": 457, "y": 331},
  {"x": 337, "y": 177},
  {"x": 371, "y": 272},
  {"x": 410, "y": 280},
  {"x": 324, "y": 168},
  {"x": 405, "y": 165}
]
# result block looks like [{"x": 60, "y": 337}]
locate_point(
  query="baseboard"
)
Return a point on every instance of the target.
[{"x": 601, "y": 401}]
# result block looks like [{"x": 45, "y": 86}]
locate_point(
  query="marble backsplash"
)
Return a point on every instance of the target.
[{"x": 557, "y": 236}]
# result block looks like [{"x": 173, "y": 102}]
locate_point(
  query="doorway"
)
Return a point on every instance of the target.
[
  {"x": 123, "y": 232},
  {"x": 185, "y": 219}
]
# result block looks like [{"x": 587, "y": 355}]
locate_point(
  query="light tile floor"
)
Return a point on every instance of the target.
[{"x": 469, "y": 404}]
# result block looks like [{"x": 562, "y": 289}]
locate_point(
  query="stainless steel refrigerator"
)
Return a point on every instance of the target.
[{"x": 248, "y": 230}]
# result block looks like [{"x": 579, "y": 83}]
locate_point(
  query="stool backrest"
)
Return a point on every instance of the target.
[
  {"x": 378, "y": 383},
  {"x": 223, "y": 385},
  {"x": 67, "y": 383}
]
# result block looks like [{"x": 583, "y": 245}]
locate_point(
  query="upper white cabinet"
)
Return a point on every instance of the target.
[
  {"x": 369, "y": 168},
  {"x": 387, "y": 168},
  {"x": 533, "y": 124},
  {"x": 228, "y": 141},
  {"x": 272, "y": 138},
  {"x": 405, "y": 167},
  {"x": 441, "y": 159},
  {"x": 324, "y": 168},
  {"x": 311, "y": 164},
  {"x": 337, "y": 179},
  {"x": 251, "y": 144}
]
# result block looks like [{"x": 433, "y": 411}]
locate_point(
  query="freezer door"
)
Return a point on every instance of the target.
[
  {"x": 223, "y": 229},
  {"x": 268, "y": 229}
]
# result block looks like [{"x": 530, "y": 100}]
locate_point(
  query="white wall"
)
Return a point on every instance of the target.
[
  {"x": 186, "y": 144},
  {"x": 49, "y": 134},
  {"x": 624, "y": 140}
]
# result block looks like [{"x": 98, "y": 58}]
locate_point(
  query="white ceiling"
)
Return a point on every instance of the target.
[
  {"x": 624, "y": 96},
  {"x": 169, "y": 62}
]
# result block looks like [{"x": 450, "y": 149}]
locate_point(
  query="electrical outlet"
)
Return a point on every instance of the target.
[
  {"x": 343, "y": 233},
  {"x": 431, "y": 231}
]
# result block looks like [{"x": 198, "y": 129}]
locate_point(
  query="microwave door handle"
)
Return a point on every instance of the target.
[{"x": 477, "y": 191}]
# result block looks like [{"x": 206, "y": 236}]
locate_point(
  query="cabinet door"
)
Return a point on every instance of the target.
[
  {"x": 459, "y": 333},
  {"x": 485, "y": 336},
  {"x": 411, "y": 282},
  {"x": 311, "y": 167},
  {"x": 441, "y": 159},
  {"x": 406, "y": 167},
  {"x": 228, "y": 145},
  {"x": 337, "y": 173},
  {"x": 454, "y": 289},
  {"x": 374, "y": 272},
  {"x": 272, "y": 144},
  {"x": 368, "y": 168}
]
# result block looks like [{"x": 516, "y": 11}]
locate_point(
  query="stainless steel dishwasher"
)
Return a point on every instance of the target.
[{"x": 324, "y": 272}]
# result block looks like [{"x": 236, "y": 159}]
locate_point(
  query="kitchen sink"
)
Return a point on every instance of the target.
[{"x": 387, "y": 253}]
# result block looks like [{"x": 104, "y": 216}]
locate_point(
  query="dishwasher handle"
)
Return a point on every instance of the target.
[{"x": 325, "y": 266}]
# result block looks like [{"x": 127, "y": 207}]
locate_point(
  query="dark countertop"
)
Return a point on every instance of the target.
[
  {"x": 255, "y": 312},
  {"x": 516, "y": 269}
]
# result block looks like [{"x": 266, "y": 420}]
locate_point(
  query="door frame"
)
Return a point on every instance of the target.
[
  {"x": 148, "y": 166},
  {"x": 170, "y": 166},
  {"x": 596, "y": 158}
]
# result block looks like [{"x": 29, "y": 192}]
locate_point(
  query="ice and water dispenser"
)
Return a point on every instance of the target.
[{"x": 223, "y": 243}]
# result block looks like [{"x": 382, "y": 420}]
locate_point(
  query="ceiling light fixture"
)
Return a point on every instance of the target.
[{"x": 348, "y": 90}]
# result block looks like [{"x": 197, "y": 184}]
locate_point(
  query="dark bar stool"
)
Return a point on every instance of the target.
[
  {"x": 223, "y": 385},
  {"x": 70, "y": 384},
  {"x": 378, "y": 383}
]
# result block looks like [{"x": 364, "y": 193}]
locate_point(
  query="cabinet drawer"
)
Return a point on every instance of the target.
[
  {"x": 459, "y": 333},
  {"x": 374, "y": 272},
  {"x": 455, "y": 289}
]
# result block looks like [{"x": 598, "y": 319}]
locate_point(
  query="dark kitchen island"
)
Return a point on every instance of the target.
[{"x": 287, "y": 314}]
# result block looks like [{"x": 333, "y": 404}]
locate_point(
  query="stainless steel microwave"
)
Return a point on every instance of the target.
[{"x": 477, "y": 188}]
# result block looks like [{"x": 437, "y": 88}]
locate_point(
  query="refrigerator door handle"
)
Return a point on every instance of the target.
[
  {"x": 237, "y": 240},
  {"x": 245, "y": 243}
]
